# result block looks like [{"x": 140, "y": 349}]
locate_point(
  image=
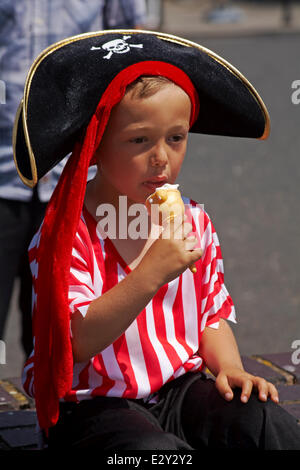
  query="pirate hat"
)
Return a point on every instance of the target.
[
  {"x": 69, "y": 94},
  {"x": 66, "y": 81}
]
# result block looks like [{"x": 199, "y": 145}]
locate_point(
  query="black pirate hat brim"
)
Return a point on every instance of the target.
[{"x": 66, "y": 82}]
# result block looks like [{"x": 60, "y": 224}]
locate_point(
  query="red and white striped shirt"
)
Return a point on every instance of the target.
[{"x": 162, "y": 342}]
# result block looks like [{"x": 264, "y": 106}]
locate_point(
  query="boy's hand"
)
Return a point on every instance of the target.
[
  {"x": 172, "y": 253},
  {"x": 228, "y": 379}
]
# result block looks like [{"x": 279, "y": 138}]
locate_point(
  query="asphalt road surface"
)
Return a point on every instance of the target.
[{"x": 251, "y": 191}]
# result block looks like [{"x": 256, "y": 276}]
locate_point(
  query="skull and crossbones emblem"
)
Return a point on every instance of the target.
[{"x": 116, "y": 46}]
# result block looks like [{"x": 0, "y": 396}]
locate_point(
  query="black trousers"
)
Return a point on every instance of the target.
[
  {"x": 190, "y": 415},
  {"x": 19, "y": 221}
]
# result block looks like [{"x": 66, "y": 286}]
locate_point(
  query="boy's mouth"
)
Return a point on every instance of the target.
[{"x": 155, "y": 183}]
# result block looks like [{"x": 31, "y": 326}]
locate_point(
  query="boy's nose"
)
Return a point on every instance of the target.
[{"x": 159, "y": 156}]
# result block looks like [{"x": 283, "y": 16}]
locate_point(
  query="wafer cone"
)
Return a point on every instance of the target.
[{"x": 170, "y": 204}]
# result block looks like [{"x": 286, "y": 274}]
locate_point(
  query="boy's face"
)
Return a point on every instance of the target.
[{"x": 144, "y": 143}]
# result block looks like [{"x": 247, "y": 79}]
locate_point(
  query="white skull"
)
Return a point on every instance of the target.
[{"x": 119, "y": 46}]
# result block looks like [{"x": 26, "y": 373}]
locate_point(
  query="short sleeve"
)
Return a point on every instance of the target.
[
  {"x": 216, "y": 302},
  {"x": 81, "y": 280}
]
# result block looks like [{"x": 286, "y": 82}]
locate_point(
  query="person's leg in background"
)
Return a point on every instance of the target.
[
  {"x": 19, "y": 221},
  {"x": 36, "y": 212},
  {"x": 286, "y": 12},
  {"x": 13, "y": 228}
]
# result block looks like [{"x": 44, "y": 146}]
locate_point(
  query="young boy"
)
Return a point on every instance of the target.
[{"x": 127, "y": 374}]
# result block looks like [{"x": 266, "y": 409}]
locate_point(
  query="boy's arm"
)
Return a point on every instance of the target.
[
  {"x": 220, "y": 352},
  {"x": 112, "y": 313}
]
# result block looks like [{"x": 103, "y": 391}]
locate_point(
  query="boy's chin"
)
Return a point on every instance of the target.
[{"x": 133, "y": 198}]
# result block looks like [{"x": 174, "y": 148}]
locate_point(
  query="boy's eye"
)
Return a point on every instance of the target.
[
  {"x": 138, "y": 140},
  {"x": 176, "y": 138}
]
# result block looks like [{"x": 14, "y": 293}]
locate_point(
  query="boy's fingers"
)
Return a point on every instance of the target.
[
  {"x": 246, "y": 390},
  {"x": 273, "y": 393},
  {"x": 190, "y": 243},
  {"x": 196, "y": 254},
  {"x": 266, "y": 389},
  {"x": 223, "y": 387},
  {"x": 262, "y": 388},
  {"x": 246, "y": 384},
  {"x": 187, "y": 228}
]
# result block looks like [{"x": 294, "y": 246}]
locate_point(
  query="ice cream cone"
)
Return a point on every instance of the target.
[{"x": 171, "y": 205}]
